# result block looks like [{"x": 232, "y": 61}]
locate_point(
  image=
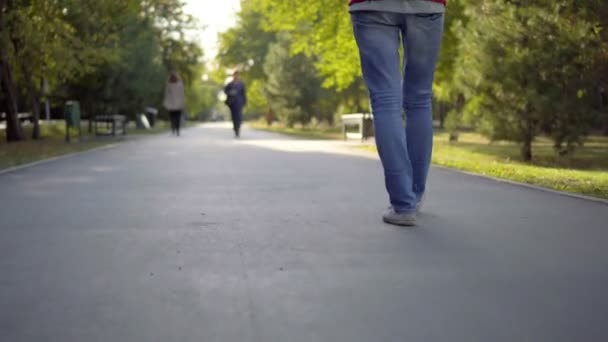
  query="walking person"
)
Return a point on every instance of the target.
[
  {"x": 380, "y": 28},
  {"x": 236, "y": 100},
  {"x": 175, "y": 101}
]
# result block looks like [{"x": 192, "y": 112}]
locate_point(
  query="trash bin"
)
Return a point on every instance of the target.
[
  {"x": 72, "y": 118},
  {"x": 72, "y": 113}
]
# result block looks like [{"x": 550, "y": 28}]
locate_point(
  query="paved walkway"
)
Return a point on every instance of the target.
[{"x": 206, "y": 238}]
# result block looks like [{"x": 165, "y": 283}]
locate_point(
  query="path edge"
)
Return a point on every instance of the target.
[
  {"x": 526, "y": 185},
  {"x": 13, "y": 169}
]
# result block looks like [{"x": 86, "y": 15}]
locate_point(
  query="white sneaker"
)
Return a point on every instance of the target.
[{"x": 399, "y": 219}]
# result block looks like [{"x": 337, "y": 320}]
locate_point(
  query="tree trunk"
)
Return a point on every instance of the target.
[
  {"x": 454, "y": 136},
  {"x": 603, "y": 104},
  {"x": 88, "y": 108},
  {"x": 442, "y": 115},
  {"x": 361, "y": 94},
  {"x": 34, "y": 97},
  {"x": 527, "y": 133},
  {"x": 13, "y": 126},
  {"x": 36, "y": 116},
  {"x": 526, "y": 150}
]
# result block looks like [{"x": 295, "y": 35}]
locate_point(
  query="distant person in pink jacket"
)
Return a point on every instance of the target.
[{"x": 175, "y": 101}]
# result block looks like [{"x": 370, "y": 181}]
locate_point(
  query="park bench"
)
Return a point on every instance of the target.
[
  {"x": 23, "y": 117},
  {"x": 112, "y": 124},
  {"x": 362, "y": 121}
]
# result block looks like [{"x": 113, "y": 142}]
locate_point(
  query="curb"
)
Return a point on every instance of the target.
[
  {"x": 525, "y": 185},
  {"x": 53, "y": 159},
  {"x": 114, "y": 144},
  {"x": 499, "y": 180}
]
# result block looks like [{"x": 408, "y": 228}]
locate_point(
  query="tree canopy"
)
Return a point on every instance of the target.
[
  {"x": 510, "y": 69},
  {"x": 113, "y": 56}
]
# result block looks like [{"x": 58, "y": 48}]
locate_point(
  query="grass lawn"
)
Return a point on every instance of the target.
[
  {"x": 318, "y": 133},
  {"x": 53, "y": 143},
  {"x": 585, "y": 172}
]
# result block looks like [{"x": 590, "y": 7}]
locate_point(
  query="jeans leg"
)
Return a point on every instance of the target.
[
  {"x": 237, "y": 118},
  {"x": 172, "y": 120},
  {"x": 378, "y": 37},
  {"x": 422, "y": 39},
  {"x": 178, "y": 121}
]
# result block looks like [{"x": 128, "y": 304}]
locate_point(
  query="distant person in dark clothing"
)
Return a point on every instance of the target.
[
  {"x": 236, "y": 99},
  {"x": 174, "y": 101}
]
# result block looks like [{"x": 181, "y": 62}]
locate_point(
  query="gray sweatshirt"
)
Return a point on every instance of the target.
[{"x": 399, "y": 6}]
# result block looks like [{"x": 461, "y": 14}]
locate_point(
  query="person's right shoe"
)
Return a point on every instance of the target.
[{"x": 399, "y": 219}]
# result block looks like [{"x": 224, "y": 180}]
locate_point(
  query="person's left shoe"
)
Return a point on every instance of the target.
[{"x": 399, "y": 219}]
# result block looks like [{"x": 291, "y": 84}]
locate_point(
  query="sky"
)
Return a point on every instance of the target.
[{"x": 217, "y": 16}]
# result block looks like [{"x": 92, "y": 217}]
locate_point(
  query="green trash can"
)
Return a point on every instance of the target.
[{"x": 72, "y": 118}]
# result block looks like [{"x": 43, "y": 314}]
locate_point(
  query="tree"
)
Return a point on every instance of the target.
[
  {"x": 202, "y": 95},
  {"x": 9, "y": 93},
  {"x": 44, "y": 44},
  {"x": 320, "y": 29},
  {"x": 292, "y": 87},
  {"x": 112, "y": 56},
  {"x": 514, "y": 87},
  {"x": 448, "y": 98},
  {"x": 596, "y": 11},
  {"x": 245, "y": 46},
  {"x": 146, "y": 39}
]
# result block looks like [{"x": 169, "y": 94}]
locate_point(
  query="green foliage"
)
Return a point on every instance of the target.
[
  {"x": 41, "y": 44},
  {"x": 444, "y": 89},
  {"x": 319, "y": 29},
  {"x": 527, "y": 67},
  {"x": 202, "y": 95},
  {"x": 257, "y": 100},
  {"x": 246, "y": 45},
  {"x": 112, "y": 56},
  {"x": 292, "y": 89}
]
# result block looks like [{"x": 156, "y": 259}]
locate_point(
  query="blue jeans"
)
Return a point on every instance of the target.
[
  {"x": 405, "y": 152},
  {"x": 236, "y": 113}
]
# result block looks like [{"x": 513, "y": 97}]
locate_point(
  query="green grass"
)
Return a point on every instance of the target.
[
  {"x": 53, "y": 143},
  {"x": 584, "y": 172},
  {"x": 316, "y": 133}
]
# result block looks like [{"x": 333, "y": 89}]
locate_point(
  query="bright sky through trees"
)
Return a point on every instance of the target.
[{"x": 215, "y": 16}]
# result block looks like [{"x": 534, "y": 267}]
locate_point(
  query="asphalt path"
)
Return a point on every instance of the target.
[{"x": 267, "y": 238}]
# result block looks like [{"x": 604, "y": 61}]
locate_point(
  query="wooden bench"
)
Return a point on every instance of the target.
[
  {"x": 364, "y": 123},
  {"x": 22, "y": 117},
  {"x": 114, "y": 125}
]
